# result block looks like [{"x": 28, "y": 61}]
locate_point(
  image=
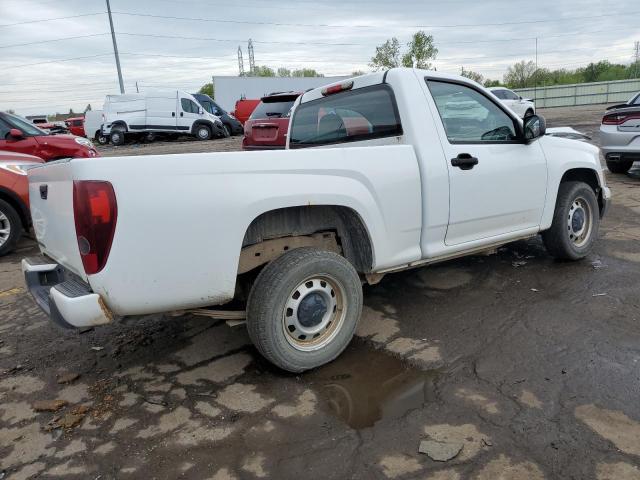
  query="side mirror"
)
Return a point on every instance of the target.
[
  {"x": 534, "y": 127},
  {"x": 16, "y": 134},
  {"x": 200, "y": 111}
]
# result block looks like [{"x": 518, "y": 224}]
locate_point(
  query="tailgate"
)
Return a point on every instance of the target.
[{"x": 51, "y": 199}]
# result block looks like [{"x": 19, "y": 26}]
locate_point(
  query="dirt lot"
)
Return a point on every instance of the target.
[{"x": 517, "y": 366}]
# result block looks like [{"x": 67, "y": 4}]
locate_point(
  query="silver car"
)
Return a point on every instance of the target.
[{"x": 620, "y": 135}]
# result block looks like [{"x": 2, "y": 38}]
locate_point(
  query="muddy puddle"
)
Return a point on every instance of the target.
[{"x": 364, "y": 386}]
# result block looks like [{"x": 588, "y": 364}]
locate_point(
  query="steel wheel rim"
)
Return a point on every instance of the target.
[
  {"x": 309, "y": 333},
  {"x": 116, "y": 137},
  {"x": 203, "y": 133},
  {"x": 5, "y": 229},
  {"x": 580, "y": 222}
]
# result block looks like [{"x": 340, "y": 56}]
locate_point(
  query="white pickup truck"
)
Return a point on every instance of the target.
[{"x": 411, "y": 168}]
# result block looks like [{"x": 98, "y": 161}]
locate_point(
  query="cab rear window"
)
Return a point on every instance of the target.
[
  {"x": 272, "y": 109},
  {"x": 355, "y": 115}
]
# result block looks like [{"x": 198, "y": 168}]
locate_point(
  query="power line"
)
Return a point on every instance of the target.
[
  {"x": 53, "y": 40},
  {"x": 51, "y": 19},
  {"x": 327, "y": 25}
]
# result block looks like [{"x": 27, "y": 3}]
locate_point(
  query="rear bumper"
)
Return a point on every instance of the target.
[
  {"x": 65, "y": 298},
  {"x": 263, "y": 147}
]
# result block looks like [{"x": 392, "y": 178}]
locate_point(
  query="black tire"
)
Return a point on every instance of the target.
[
  {"x": 149, "y": 137},
  {"x": 561, "y": 240},
  {"x": 202, "y": 132},
  {"x": 529, "y": 113},
  {"x": 117, "y": 137},
  {"x": 9, "y": 219},
  {"x": 278, "y": 283},
  {"x": 621, "y": 166},
  {"x": 101, "y": 139}
]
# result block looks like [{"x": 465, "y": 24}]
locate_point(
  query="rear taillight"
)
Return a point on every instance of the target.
[
  {"x": 95, "y": 212},
  {"x": 619, "y": 118}
]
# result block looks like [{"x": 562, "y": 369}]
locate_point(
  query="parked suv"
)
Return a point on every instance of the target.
[
  {"x": 522, "y": 106},
  {"x": 267, "y": 126},
  {"x": 231, "y": 123},
  {"x": 14, "y": 197},
  {"x": 21, "y": 136}
]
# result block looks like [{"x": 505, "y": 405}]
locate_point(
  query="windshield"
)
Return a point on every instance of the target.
[
  {"x": 21, "y": 124},
  {"x": 272, "y": 110}
]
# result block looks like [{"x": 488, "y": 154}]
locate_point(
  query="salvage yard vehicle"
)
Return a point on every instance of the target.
[
  {"x": 162, "y": 111},
  {"x": 93, "y": 120},
  {"x": 21, "y": 136},
  {"x": 294, "y": 234},
  {"x": 268, "y": 124},
  {"x": 231, "y": 123},
  {"x": 14, "y": 198},
  {"x": 524, "y": 107},
  {"x": 75, "y": 125},
  {"x": 620, "y": 136}
]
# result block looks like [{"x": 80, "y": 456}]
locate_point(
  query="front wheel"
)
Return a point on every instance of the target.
[
  {"x": 117, "y": 137},
  {"x": 576, "y": 221},
  {"x": 303, "y": 308},
  {"x": 101, "y": 138},
  {"x": 203, "y": 132},
  {"x": 10, "y": 228}
]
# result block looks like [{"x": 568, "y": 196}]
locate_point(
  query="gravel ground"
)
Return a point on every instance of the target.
[{"x": 511, "y": 366}]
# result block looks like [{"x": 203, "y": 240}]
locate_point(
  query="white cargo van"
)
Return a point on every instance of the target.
[
  {"x": 162, "y": 111},
  {"x": 93, "y": 126}
]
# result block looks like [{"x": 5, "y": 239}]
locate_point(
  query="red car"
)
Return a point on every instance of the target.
[
  {"x": 14, "y": 197},
  {"x": 244, "y": 109},
  {"x": 76, "y": 126},
  {"x": 20, "y": 136},
  {"x": 267, "y": 127}
]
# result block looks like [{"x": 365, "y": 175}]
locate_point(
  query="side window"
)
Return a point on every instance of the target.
[
  {"x": 501, "y": 94},
  {"x": 207, "y": 106},
  {"x": 470, "y": 117},
  {"x": 189, "y": 105},
  {"x": 350, "y": 116},
  {"x": 509, "y": 95},
  {"x": 4, "y": 130}
]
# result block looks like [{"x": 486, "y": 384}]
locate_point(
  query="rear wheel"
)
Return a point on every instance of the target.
[
  {"x": 621, "y": 166},
  {"x": 303, "y": 308},
  {"x": 10, "y": 228},
  {"x": 117, "y": 137},
  {"x": 576, "y": 221},
  {"x": 203, "y": 132}
]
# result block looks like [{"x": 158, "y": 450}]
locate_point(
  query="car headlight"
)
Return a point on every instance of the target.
[
  {"x": 84, "y": 142},
  {"x": 17, "y": 168}
]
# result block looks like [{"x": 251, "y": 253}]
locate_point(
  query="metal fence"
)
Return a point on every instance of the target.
[{"x": 618, "y": 91}]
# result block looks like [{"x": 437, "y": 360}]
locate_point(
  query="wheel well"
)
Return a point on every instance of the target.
[
  {"x": 588, "y": 176},
  {"x": 119, "y": 123},
  {"x": 351, "y": 234},
  {"x": 197, "y": 123},
  {"x": 18, "y": 206}
]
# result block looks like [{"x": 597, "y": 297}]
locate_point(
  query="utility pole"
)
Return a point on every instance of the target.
[
  {"x": 535, "y": 78},
  {"x": 115, "y": 48},
  {"x": 252, "y": 60},
  {"x": 240, "y": 62},
  {"x": 636, "y": 58}
]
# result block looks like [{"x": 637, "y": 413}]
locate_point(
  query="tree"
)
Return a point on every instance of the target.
[
  {"x": 207, "y": 89},
  {"x": 520, "y": 75},
  {"x": 263, "y": 71},
  {"x": 284, "y": 72},
  {"x": 357, "y": 73},
  {"x": 491, "y": 83},
  {"x": 475, "y": 76},
  {"x": 421, "y": 51},
  {"x": 88, "y": 108},
  {"x": 387, "y": 55},
  {"x": 306, "y": 72},
  {"x": 11, "y": 111}
]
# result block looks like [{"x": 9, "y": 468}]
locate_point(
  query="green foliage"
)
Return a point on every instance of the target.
[
  {"x": 306, "y": 72},
  {"x": 263, "y": 71},
  {"x": 357, "y": 73},
  {"x": 284, "y": 72},
  {"x": 475, "y": 76},
  {"x": 207, "y": 89},
  {"x": 387, "y": 55},
  {"x": 488, "y": 83},
  {"x": 421, "y": 51}
]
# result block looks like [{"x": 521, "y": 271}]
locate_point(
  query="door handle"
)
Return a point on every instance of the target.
[
  {"x": 464, "y": 161},
  {"x": 173, "y": 114},
  {"x": 182, "y": 114}
]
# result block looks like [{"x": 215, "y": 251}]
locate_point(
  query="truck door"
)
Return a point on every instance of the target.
[
  {"x": 189, "y": 112},
  {"x": 161, "y": 111},
  {"x": 498, "y": 184}
]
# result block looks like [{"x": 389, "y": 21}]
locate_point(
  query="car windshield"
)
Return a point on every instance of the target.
[
  {"x": 272, "y": 110},
  {"x": 25, "y": 126}
]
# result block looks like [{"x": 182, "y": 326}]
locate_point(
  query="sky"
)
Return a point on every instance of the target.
[{"x": 58, "y": 54}]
